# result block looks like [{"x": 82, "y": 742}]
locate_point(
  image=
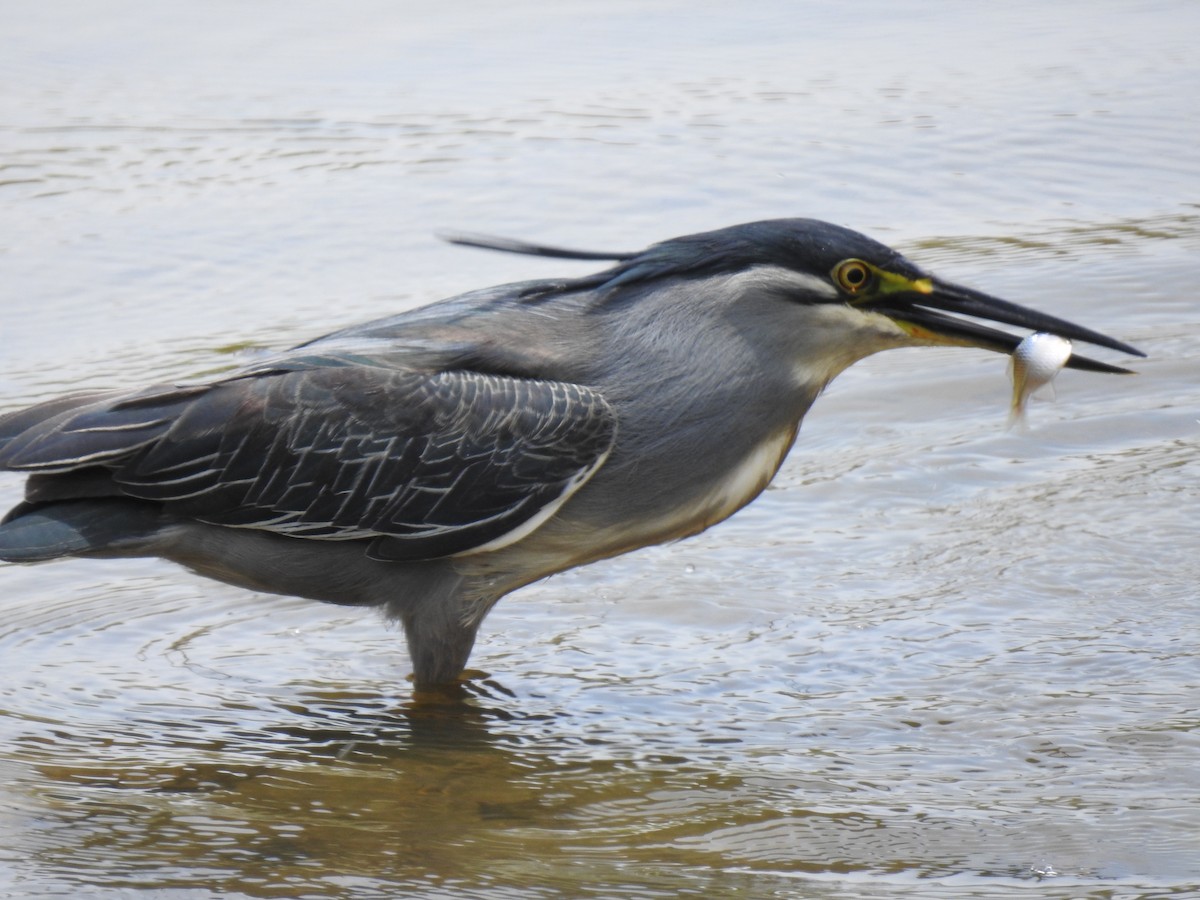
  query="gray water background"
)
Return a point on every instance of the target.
[{"x": 936, "y": 659}]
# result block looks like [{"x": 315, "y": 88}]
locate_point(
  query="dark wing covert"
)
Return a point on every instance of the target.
[{"x": 422, "y": 464}]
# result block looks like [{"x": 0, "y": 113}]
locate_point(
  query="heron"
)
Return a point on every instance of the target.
[{"x": 431, "y": 462}]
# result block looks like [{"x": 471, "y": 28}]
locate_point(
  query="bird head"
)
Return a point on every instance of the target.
[{"x": 814, "y": 263}]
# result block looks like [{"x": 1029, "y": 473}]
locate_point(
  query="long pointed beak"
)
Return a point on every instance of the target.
[{"x": 923, "y": 313}]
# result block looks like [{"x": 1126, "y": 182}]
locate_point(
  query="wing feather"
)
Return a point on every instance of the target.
[{"x": 422, "y": 464}]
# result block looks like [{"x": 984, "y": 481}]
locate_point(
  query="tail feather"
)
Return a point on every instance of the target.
[{"x": 39, "y": 532}]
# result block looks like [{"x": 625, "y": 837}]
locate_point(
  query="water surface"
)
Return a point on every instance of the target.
[{"x": 935, "y": 659}]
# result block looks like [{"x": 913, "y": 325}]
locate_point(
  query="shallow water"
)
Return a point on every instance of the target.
[{"x": 936, "y": 659}]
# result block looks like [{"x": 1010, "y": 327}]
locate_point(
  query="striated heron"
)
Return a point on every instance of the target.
[{"x": 431, "y": 462}]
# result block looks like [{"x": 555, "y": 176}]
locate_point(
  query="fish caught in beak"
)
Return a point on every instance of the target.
[{"x": 937, "y": 311}]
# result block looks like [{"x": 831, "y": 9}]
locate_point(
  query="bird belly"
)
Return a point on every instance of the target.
[
  {"x": 566, "y": 542},
  {"x": 743, "y": 483}
]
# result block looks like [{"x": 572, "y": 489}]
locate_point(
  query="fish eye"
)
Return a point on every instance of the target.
[{"x": 852, "y": 275}]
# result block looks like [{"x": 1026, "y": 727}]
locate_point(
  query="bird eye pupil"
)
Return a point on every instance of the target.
[{"x": 852, "y": 275}]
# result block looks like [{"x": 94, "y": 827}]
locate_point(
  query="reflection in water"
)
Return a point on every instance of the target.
[{"x": 341, "y": 785}]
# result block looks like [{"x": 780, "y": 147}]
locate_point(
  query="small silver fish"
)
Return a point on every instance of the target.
[{"x": 1034, "y": 364}]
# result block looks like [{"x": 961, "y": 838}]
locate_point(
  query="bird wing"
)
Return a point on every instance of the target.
[{"x": 424, "y": 464}]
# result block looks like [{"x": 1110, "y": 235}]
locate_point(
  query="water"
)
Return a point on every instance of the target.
[{"x": 936, "y": 659}]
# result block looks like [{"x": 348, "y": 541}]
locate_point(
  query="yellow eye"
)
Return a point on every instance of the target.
[{"x": 852, "y": 275}]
